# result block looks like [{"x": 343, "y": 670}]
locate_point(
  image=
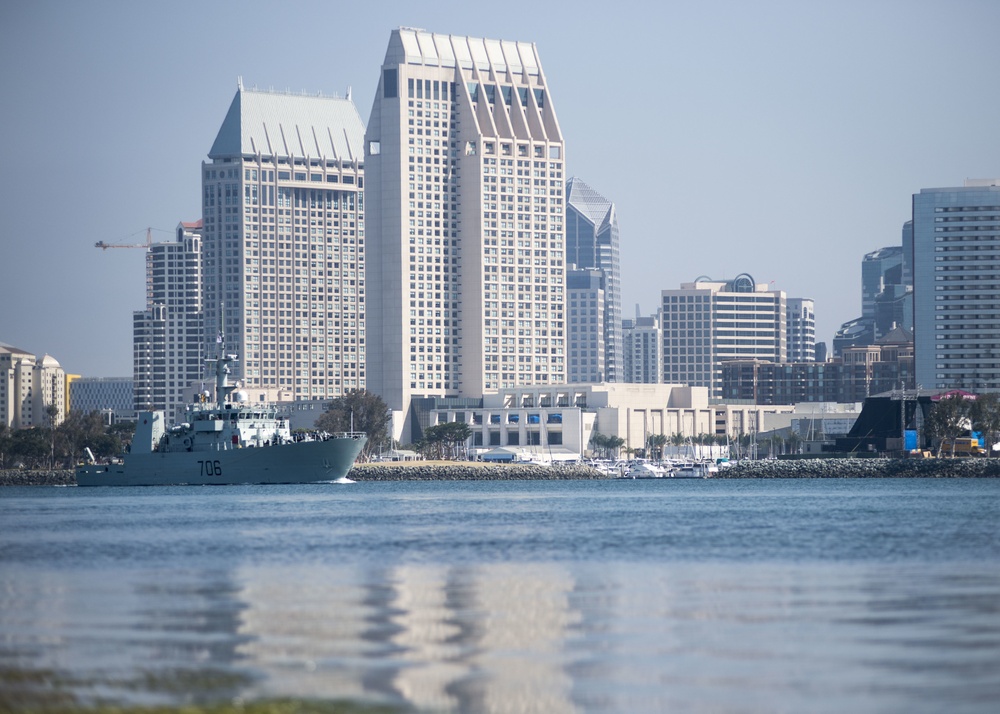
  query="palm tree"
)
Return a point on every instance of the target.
[
  {"x": 656, "y": 442},
  {"x": 52, "y": 411}
]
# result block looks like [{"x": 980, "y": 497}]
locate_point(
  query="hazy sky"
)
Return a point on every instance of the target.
[{"x": 781, "y": 139}]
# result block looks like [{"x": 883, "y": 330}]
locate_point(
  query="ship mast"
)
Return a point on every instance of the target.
[{"x": 222, "y": 362}]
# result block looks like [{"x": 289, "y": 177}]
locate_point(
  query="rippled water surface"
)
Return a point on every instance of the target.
[{"x": 611, "y": 596}]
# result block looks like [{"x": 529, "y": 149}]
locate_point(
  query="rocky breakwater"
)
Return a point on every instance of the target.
[
  {"x": 24, "y": 477},
  {"x": 864, "y": 468},
  {"x": 469, "y": 471}
]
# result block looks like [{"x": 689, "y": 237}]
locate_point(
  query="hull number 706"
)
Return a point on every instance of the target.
[{"x": 210, "y": 468}]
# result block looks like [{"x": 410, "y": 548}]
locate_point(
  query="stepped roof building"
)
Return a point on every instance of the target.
[
  {"x": 466, "y": 232},
  {"x": 283, "y": 252}
]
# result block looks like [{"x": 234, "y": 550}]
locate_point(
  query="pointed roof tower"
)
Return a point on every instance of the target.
[{"x": 282, "y": 124}]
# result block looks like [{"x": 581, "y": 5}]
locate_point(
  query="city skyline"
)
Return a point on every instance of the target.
[{"x": 806, "y": 116}]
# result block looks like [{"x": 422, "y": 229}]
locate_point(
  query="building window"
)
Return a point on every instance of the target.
[{"x": 390, "y": 84}]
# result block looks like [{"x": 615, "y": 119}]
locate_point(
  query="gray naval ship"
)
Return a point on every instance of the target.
[{"x": 229, "y": 442}]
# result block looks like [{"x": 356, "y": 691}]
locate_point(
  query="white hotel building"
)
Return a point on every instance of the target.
[
  {"x": 708, "y": 322},
  {"x": 956, "y": 293},
  {"x": 283, "y": 244},
  {"x": 465, "y": 189}
]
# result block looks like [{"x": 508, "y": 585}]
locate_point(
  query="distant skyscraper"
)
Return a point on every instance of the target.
[
  {"x": 878, "y": 269},
  {"x": 167, "y": 335},
  {"x": 592, "y": 243},
  {"x": 956, "y": 263},
  {"x": 284, "y": 245},
  {"x": 643, "y": 350},
  {"x": 707, "y": 322},
  {"x": 586, "y": 329},
  {"x": 885, "y": 297},
  {"x": 465, "y": 191},
  {"x": 800, "y": 330}
]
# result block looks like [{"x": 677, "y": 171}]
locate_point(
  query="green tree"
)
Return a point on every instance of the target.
[
  {"x": 948, "y": 419},
  {"x": 29, "y": 447},
  {"x": 5, "y": 442},
  {"x": 358, "y": 410},
  {"x": 607, "y": 446},
  {"x": 615, "y": 443},
  {"x": 447, "y": 440},
  {"x": 52, "y": 412},
  {"x": 985, "y": 416},
  {"x": 79, "y": 430},
  {"x": 599, "y": 443},
  {"x": 655, "y": 443}
]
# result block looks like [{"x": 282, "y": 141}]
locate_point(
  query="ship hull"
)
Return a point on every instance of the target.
[{"x": 299, "y": 462}]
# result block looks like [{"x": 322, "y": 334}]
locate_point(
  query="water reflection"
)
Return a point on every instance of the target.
[
  {"x": 146, "y": 637},
  {"x": 439, "y": 638},
  {"x": 526, "y": 637},
  {"x": 600, "y": 597}
]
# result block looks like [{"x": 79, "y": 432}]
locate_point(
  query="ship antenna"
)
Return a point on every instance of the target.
[{"x": 222, "y": 362}]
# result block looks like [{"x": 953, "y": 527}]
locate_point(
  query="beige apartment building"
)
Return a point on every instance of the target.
[{"x": 29, "y": 385}]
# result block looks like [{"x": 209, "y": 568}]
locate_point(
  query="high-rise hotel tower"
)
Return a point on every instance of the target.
[
  {"x": 283, "y": 244},
  {"x": 956, "y": 294},
  {"x": 465, "y": 192}
]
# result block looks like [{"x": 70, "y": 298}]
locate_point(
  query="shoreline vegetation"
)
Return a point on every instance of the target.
[{"x": 480, "y": 471}]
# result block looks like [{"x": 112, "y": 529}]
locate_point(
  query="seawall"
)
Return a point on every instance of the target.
[
  {"x": 477, "y": 471},
  {"x": 865, "y": 468},
  {"x": 23, "y": 477}
]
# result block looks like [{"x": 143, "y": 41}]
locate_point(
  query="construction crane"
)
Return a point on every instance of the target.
[{"x": 149, "y": 241}]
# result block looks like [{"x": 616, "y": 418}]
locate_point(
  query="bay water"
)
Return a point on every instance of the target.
[{"x": 812, "y": 595}]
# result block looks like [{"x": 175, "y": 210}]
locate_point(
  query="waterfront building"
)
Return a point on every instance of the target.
[
  {"x": 800, "y": 330},
  {"x": 552, "y": 423},
  {"x": 956, "y": 261},
  {"x": 592, "y": 242},
  {"x": 643, "y": 349},
  {"x": 708, "y": 322},
  {"x": 585, "y": 325},
  {"x": 283, "y": 250},
  {"x": 858, "y": 373},
  {"x": 29, "y": 385},
  {"x": 810, "y": 428},
  {"x": 466, "y": 202},
  {"x": 110, "y": 395},
  {"x": 760, "y": 382},
  {"x": 167, "y": 341}
]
